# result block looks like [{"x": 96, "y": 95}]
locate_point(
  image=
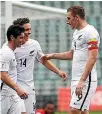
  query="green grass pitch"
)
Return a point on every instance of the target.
[{"x": 98, "y": 112}]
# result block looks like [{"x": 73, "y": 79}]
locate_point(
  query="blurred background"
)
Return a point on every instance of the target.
[{"x": 48, "y": 21}]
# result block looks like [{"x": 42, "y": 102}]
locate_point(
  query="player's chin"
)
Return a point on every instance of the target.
[
  {"x": 19, "y": 45},
  {"x": 71, "y": 27},
  {"x": 28, "y": 35}
]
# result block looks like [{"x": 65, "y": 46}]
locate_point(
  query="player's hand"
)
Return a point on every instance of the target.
[
  {"x": 79, "y": 88},
  {"x": 62, "y": 75},
  {"x": 21, "y": 93}
]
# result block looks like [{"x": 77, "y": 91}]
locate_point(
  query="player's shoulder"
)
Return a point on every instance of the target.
[
  {"x": 33, "y": 41},
  {"x": 91, "y": 31},
  {"x": 6, "y": 52},
  {"x": 90, "y": 28},
  {"x": 30, "y": 42}
]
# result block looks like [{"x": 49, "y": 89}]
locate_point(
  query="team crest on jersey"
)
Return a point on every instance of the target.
[
  {"x": 80, "y": 37},
  {"x": 32, "y": 53}
]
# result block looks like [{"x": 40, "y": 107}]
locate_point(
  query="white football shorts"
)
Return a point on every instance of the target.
[
  {"x": 10, "y": 104},
  {"x": 83, "y": 101},
  {"x": 28, "y": 105}
]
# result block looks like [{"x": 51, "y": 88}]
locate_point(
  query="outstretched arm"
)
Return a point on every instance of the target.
[{"x": 62, "y": 56}]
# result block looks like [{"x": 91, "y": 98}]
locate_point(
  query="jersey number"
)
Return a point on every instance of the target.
[
  {"x": 80, "y": 97},
  {"x": 23, "y": 62}
]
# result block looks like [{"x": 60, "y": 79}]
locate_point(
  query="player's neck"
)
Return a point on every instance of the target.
[
  {"x": 11, "y": 45},
  {"x": 82, "y": 24}
]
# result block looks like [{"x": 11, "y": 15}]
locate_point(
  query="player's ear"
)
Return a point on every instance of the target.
[
  {"x": 77, "y": 17},
  {"x": 12, "y": 37}
]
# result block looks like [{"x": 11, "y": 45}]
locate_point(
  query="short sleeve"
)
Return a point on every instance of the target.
[
  {"x": 39, "y": 52},
  {"x": 4, "y": 62},
  {"x": 72, "y": 46},
  {"x": 92, "y": 39}
]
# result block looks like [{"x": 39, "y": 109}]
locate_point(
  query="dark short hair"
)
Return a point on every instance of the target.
[
  {"x": 14, "y": 30},
  {"x": 47, "y": 102},
  {"x": 77, "y": 10},
  {"x": 21, "y": 21}
]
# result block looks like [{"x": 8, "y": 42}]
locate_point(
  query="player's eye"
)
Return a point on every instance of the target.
[{"x": 68, "y": 18}]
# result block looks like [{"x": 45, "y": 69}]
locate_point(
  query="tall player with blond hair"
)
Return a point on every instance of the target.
[{"x": 84, "y": 51}]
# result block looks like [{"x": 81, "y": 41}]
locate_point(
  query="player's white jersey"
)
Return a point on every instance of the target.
[
  {"x": 25, "y": 57},
  {"x": 84, "y": 40},
  {"x": 8, "y": 63}
]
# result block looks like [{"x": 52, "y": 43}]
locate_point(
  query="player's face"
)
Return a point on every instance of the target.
[
  {"x": 27, "y": 32},
  {"x": 19, "y": 40},
  {"x": 72, "y": 21},
  {"x": 49, "y": 109}
]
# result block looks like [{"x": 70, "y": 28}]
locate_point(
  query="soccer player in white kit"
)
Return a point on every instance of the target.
[
  {"x": 85, "y": 44},
  {"x": 9, "y": 89},
  {"x": 26, "y": 55}
]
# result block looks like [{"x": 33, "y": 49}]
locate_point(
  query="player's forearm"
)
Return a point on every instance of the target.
[
  {"x": 7, "y": 80},
  {"x": 48, "y": 64},
  {"x": 63, "y": 56},
  {"x": 88, "y": 68}
]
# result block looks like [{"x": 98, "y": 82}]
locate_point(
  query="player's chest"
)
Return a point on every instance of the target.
[
  {"x": 25, "y": 53},
  {"x": 13, "y": 62},
  {"x": 79, "y": 41}
]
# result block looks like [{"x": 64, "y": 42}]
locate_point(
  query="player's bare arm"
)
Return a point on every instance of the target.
[
  {"x": 7, "y": 80},
  {"x": 92, "y": 57},
  {"x": 62, "y": 56},
  {"x": 48, "y": 64}
]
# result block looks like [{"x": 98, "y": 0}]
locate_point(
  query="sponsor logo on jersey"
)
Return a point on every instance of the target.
[{"x": 76, "y": 103}]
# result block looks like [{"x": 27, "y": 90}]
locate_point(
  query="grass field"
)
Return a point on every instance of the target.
[{"x": 90, "y": 112}]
